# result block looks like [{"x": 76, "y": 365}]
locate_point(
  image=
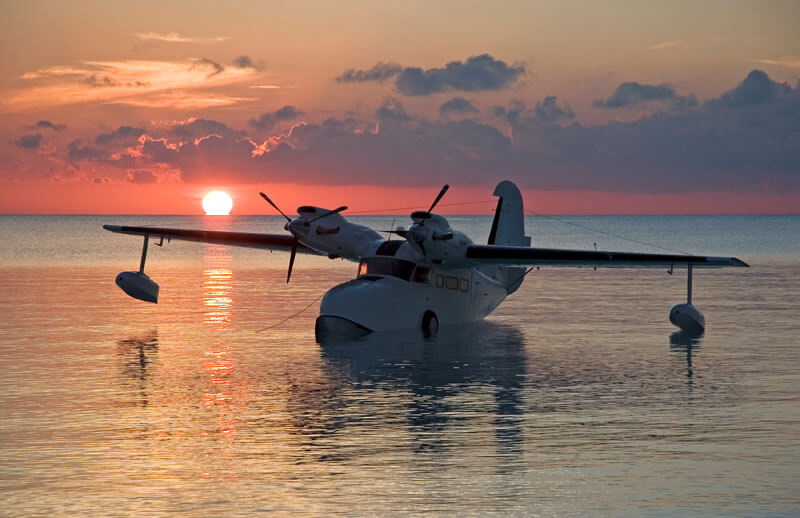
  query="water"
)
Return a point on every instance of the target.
[{"x": 576, "y": 396}]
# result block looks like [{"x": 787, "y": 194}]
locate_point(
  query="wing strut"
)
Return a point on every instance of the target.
[{"x": 144, "y": 252}]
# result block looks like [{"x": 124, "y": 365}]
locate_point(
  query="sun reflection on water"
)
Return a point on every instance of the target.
[
  {"x": 217, "y": 286},
  {"x": 218, "y": 397}
]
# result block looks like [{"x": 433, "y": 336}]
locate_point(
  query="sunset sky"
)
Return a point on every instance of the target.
[{"x": 590, "y": 107}]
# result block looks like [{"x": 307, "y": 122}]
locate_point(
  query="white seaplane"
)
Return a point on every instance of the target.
[{"x": 434, "y": 275}]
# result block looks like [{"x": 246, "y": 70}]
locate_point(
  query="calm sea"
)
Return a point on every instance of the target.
[{"x": 575, "y": 397}]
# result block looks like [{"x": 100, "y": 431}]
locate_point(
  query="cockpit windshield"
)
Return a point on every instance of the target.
[{"x": 399, "y": 268}]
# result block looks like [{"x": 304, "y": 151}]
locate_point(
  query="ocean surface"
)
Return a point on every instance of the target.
[{"x": 575, "y": 397}]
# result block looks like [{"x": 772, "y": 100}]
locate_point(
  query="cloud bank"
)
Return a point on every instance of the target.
[{"x": 743, "y": 140}]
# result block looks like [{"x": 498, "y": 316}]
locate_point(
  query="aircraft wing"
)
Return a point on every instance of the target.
[
  {"x": 221, "y": 237},
  {"x": 525, "y": 256}
]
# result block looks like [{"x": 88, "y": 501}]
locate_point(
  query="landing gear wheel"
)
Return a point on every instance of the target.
[{"x": 430, "y": 323}]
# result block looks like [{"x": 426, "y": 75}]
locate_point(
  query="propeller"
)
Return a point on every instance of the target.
[
  {"x": 418, "y": 232},
  {"x": 293, "y": 251},
  {"x": 439, "y": 196},
  {"x": 292, "y": 254},
  {"x": 334, "y": 211},
  {"x": 275, "y": 206}
]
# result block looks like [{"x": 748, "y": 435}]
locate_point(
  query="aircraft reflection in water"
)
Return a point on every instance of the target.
[
  {"x": 474, "y": 371},
  {"x": 686, "y": 342},
  {"x": 137, "y": 355}
]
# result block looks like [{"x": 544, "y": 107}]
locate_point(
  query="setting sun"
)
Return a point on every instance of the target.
[{"x": 217, "y": 203}]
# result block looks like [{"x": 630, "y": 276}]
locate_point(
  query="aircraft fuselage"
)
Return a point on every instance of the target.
[{"x": 421, "y": 282}]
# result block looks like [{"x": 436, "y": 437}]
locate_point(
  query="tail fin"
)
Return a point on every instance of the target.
[{"x": 508, "y": 229}]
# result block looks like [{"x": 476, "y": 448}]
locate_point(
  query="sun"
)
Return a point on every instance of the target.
[{"x": 217, "y": 203}]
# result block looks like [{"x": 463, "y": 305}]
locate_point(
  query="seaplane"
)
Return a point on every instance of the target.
[{"x": 431, "y": 276}]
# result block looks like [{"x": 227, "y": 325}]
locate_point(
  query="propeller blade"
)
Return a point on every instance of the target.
[
  {"x": 334, "y": 211},
  {"x": 291, "y": 260},
  {"x": 439, "y": 197},
  {"x": 276, "y": 207}
]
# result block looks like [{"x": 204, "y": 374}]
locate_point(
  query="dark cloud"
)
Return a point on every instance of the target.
[
  {"x": 757, "y": 88},
  {"x": 546, "y": 111},
  {"x": 47, "y": 125},
  {"x": 141, "y": 177},
  {"x": 497, "y": 111},
  {"x": 214, "y": 67},
  {"x": 267, "y": 121},
  {"x": 632, "y": 94},
  {"x": 77, "y": 151},
  {"x": 379, "y": 72},
  {"x": 107, "y": 81},
  {"x": 243, "y": 62},
  {"x": 391, "y": 109},
  {"x": 159, "y": 152},
  {"x": 121, "y": 133},
  {"x": 477, "y": 73},
  {"x": 457, "y": 105},
  {"x": 101, "y": 81},
  {"x": 32, "y": 141}
]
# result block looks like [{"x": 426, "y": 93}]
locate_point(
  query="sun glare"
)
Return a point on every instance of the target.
[{"x": 217, "y": 203}]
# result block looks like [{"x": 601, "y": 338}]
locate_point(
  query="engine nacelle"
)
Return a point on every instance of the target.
[
  {"x": 688, "y": 318},
  {"x": 138, "y": 285}
]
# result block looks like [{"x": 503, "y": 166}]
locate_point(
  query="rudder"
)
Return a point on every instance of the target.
[{"x": 508, "y": 229}]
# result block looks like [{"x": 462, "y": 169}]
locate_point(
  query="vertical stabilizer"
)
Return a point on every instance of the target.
[{"x": 508, "y": 229}]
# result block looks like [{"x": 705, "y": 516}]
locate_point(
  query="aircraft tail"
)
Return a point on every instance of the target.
[{"x": 508, "y": 229}]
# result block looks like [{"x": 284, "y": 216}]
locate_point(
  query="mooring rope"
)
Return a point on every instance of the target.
[{"x": 291, "y": 316}]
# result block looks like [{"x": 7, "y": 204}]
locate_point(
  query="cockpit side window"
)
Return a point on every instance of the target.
[
  {"x": 386, "y": 266},
  {"x": 422, "y": 274}
]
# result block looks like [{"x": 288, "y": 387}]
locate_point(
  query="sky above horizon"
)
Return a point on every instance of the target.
[{"x": 619, "y": 107}]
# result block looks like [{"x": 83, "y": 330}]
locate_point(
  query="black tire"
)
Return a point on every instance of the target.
[{"x": 430, "y": 323}]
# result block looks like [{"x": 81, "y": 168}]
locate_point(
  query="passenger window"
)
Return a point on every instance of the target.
[
  {"x": 439, "y": 281},
  {"x": 463, "y": 285},
  {"x": 451, "y": 283}
]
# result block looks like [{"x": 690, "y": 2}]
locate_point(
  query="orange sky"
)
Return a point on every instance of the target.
[
  {"x": 77, "y": 198},
  {"x": 618, "y": 107}
]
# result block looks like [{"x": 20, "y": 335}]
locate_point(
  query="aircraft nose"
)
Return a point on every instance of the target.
[{"x": 298, "y": 227}]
